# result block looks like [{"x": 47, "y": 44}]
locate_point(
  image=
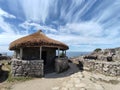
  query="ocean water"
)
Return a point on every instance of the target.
[
  {"x": 76, "y": 54},
  {"x": 69, "y": 54}
]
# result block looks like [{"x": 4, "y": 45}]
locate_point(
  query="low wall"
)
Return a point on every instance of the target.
[
  {"x": 61, "y": 64},
  {"x": 27, "y": 68},
  {"x": 106, "y": 68}
]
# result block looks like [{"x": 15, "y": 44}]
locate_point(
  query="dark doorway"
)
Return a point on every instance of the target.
[{"x": 44, "y": 57}]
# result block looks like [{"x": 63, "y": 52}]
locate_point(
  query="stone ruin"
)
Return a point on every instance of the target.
[
  {"x": 105, "y": 61},
  {"x": 35, "y": 68},
  {"x": 105, "y": 55},
  {"x": 106, "y": 68}
]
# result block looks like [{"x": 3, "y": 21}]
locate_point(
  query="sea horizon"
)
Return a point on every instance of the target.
[{"x": 70, "y": 54}]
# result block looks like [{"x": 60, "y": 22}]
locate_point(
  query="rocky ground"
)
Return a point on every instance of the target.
[
  {"x": 73, "y": 79},
  {"x": 88, "y": 81}
]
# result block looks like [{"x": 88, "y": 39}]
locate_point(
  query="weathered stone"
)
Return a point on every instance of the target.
[
  {"x": 27, "y": 68},
  {"x": 61, "y": 65},
  {"x": 19, "y": 70},
  {"x": 107, "y": 68}
]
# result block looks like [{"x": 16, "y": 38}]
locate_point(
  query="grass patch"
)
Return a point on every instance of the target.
[{"x": 18, "y": 79}]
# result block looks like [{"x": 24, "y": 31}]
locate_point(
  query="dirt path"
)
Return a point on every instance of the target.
[{"x": 37, "y": 84}]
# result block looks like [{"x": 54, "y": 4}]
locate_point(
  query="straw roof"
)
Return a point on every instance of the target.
[{"x": 36, "y": 40}]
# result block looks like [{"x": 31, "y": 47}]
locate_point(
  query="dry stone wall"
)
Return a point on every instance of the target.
[
  {"x": 61, "y": 64},
  {"x": 106, "y": 68},
  {"x": 27, "y": 68}
]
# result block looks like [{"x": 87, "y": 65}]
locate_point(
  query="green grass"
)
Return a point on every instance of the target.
[{"x": 18, "y": 79}]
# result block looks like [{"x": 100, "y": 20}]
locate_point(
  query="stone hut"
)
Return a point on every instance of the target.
[{"x": 35, "y": 53}]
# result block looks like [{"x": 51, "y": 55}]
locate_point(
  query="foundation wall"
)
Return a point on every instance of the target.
[{"x": 32, "y": 68}]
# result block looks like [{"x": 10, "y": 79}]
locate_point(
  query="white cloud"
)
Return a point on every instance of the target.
[
  {"x": 70, "y": 15},
  {"x": 8, "y": 33},
  {"x": 6, "y": 27},
  {"x": 5, "y": 14},
  {"x": 83, "y": 28},
  {"x": 27, "y": 25},
  {"x": 88, "y": 34},
  {"x": 36, "y": 10},
  {"x": 6, "y": 39}
]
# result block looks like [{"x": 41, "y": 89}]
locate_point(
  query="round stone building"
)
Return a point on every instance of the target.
[{"x": 35, "y": 54}]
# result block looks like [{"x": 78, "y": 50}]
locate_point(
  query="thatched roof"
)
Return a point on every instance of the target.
[{"x": 36, "y": 40}]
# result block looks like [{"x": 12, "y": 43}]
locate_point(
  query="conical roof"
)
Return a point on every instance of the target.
[{"x": 36, "y": 40}]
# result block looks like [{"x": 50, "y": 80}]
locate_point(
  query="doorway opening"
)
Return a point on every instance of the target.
[{"x": 44, "y": 57}]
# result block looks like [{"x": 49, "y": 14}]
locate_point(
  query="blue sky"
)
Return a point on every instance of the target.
[{"x": 82, "y": 24}]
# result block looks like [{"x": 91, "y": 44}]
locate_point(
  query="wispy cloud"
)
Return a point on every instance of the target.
[
  {"x": 36, "y": 10},
  {"x": 5, "y": 14},
  {"x": 4, "y": 25},
  {"x": 27, "y": 25},
  {"x": 7, "y": 35}
]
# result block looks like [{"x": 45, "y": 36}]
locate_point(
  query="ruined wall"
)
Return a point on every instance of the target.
[
  {"x": 103, "y": 54},
  {"x": 27, "y": 68},
  {"x": 61, "y": 64},
  {"x": 106, "y": 68}
]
